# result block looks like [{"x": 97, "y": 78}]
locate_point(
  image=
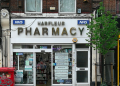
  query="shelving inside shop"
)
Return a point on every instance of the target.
[{"x": 42, "y": 68}]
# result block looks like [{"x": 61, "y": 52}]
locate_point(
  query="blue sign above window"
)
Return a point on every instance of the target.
[
  {"x": 19, "y": 22},
  {"x": 19, "y": 53},
  {"x": 83, "y": 21}
]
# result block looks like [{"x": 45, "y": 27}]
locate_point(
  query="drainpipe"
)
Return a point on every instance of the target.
[
  {"x": 5, "y": 54},
  {"x": 1, "y": 50}
]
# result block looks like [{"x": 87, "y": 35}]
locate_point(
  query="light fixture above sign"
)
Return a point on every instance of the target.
[
  {"x": 74, "y": 40},
  {"x": 4, "y": 12},
  {"x": 85, "y": 1}
]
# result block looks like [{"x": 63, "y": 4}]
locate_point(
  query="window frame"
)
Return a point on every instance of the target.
[
  {"x": 66, "y": 12},
  {"x": 34, "y": 12}
]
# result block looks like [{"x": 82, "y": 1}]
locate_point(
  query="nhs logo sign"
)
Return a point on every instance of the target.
[
  {"x": 83, "y": 21},
  {"x": 18, "y": 21}
]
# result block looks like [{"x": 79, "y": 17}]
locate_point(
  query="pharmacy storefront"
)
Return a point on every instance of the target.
[{"x": 50, "y": 52}]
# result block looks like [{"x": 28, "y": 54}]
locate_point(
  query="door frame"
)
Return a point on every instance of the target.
[
  {"x": 34, "y": 69},
  {"x": 86, "y": 69}
]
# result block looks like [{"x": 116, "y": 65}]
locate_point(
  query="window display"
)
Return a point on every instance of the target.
[
  {"x": 23, "y": 62},
  {"x": 62, "y": 64}
]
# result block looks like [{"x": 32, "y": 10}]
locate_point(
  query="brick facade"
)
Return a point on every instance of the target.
[
  {"x": 110, "y": 5},
  {"x": 50, "y": 3},
  {"x": 85, "y": 7}
]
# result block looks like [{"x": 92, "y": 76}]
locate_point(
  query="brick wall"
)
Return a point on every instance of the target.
[
  {"x": 110, "y": 5},
  {"x": 85, "y": 7},
  {"x": 14, "y": 6},
  {"x": 50, "y": 3}
]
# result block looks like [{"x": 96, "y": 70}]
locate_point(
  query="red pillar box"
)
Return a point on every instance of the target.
[{"x": 7, "y": 76}]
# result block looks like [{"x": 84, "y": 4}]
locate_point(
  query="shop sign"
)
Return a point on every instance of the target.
[
  {"x": 27, "y": 62},
  {"x": 63, "y": 54},
  {"x": 69, "y": 81},
  {"x": 61, "y": 60},
  {"x": 61, "y": 67},
  {"x": 49, "y": 28},
  {"x": 83, "y": 21},
  {"x": 60, "y": 81},
  {"x": 56, "y": 32},
  {"x": 19, "y": 76},
  {"x": 61, "y": 76},
  {"x": 28, "y": 68},
  {"x": 19, "y": 53},
  {"x": 61, "y": 71},
  {"x": 18, "y": 22},
  {"x": 61, "y": 57},
  {"x": 58, "y": 77},
  {"x": 61, "y": 64},
  {"x": 17, "y": 79}
]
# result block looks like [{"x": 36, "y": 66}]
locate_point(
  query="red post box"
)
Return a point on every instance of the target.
[{"x": 7, "y": 76}]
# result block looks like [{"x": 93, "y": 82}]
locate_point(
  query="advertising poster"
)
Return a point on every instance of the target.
[{"x": 19, "y": 76}]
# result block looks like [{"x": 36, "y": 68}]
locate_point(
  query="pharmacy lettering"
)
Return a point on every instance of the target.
[{"x": 55, "y": 31}]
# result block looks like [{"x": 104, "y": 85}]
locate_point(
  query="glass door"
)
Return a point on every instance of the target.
[
  {"x": 83, "y": 67},
  {"x": 43, "y": 69}
]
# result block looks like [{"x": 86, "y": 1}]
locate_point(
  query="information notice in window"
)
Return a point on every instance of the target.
[{"x": 62, "y": 65}]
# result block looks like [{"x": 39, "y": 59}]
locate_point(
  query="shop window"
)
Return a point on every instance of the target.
[
  {"x": 23, "y": 62},
  {"x": 33, "y": 6},
  {"x": 67, "y": 6},
  {"x": 62, "y": 64},
  {"x": 19, "y": 46},
  {"x": 82, "y": 46},
  {"x": 117, "y": 6},
  {"x": 43, "y": 47}
]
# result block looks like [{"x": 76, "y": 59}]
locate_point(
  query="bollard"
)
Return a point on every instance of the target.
[
  {"x": 95, "y": 74},
  {"x": 111, "y": 74}
]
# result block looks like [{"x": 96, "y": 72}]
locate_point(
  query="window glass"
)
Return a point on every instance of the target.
[
  {"x": 15, "y": 61},
  {"x": 23, "y": 62},
  {"x": 82, "y": 76},
  {"x": 67, "y": 5},
  {"x": 81, "y": 46},
  {"x": 19, "y": 46},
  {"x": 43, "y": 47},
  {"x": 62, "y": 64},
  {"x": 118, "y": 6},
  {"x": 33, "y": 5},
  {"x": 82, "y": 58}
]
